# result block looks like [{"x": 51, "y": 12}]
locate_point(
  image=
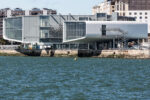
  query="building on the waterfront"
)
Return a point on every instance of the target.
[
  {"x": 39, "y": 29},
  {"x": 7, "y": 12},
  {"x": 48, "y": 26},
  {"x": 104, "y": 34},
  {"x": 139, "y": 9},
  {"x": 48, "y": 29}
]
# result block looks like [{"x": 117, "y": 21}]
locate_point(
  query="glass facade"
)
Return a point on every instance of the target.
[
  {"x": 44, "y": 33},
  {"x": 75, "y": 30},
  {"x": 83, "y": 18},
  {"x": 48, "y": 32},
  {"x": 13, "y": 28},
  {"x": 44, "y": 21}
]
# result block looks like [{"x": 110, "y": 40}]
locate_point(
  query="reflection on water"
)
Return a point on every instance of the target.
[{"x": 38, "y": 78}]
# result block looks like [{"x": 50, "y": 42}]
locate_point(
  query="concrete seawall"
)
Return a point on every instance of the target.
[
  {"x": 81, "y": 53},
  {"x": 125, "y": 53}
]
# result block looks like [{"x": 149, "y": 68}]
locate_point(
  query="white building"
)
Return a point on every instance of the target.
[
  {"x": 104, "y": 34},
  {"x": 103, "y": 30},
  {"x": 104, "y": 7}
]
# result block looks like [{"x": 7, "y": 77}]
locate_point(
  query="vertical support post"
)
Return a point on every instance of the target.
[
  {"x": 95, "y": 46},
  {"x": 78, "y": 46},
  {"x": 110, "y": 45},
  {"x": 11, "y": 42},
  {"x": 138, "y": 44},
  {"x": 69, "y": 46},
  {"x": 113, "y": 43},
  {"x": 88, "y": 46}
]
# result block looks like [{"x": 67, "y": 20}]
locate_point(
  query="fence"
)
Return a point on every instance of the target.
[{"x": 8, "y": 47}]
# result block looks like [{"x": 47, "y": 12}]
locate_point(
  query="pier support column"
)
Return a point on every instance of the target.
[
  {"x": 95, "y": 46},
  {"x": 69, "y": 46},
  {"x": 110, "y": 45},
  {"x": 138, "y": 43},
  {"x": 88, "y": 46},
  {"x": 113, "y": 43}
]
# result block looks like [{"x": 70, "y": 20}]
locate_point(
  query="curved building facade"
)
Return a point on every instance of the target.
[{"x": 103, "y": 30}]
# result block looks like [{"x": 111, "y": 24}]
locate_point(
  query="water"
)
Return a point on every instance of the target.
[{"x": 31, "y": 78}]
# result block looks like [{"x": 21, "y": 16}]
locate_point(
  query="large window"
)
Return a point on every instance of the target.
[
  {"x": 103, "y": 30},
  {"x": 83, "y": 18},
  {"x": 75, "y": 30},
  {"x": 49, "y": 30},
  {"x": 13, "y": 28},
  {"x": 44, "y": 21},
  {"x": 44, "y": 33}
]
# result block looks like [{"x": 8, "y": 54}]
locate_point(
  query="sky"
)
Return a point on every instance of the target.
[{"x": 62, "y": 6}]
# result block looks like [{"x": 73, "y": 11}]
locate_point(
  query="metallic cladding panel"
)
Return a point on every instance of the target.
[
  {"x": 113, "y": 29},
  {"x": 131, "y": 30},
  {"x": 31, "y": 28}
]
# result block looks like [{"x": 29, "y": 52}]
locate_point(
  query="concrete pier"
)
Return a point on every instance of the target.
[{"x": 81, "y": 53}]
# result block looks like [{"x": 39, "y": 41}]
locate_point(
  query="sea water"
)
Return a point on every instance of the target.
[{"x": 45, "y": 78}]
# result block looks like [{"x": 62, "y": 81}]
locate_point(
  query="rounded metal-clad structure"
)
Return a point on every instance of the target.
[{"x": 100, "y": 30}]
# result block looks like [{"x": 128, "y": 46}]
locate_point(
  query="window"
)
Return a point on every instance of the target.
[
  {"x": 130, "y": 13},
  {"x": 140, "y": 13},
  {"x": 117, "y": 7},
  {"x": 135, "y": 13},
  {"x": 101, "y": 15},
  {"x": 13, "y": 28},
  {"x": 75, "y": 30},
  {"x": 140, "y": 17},
  {"x": 44, "y": 33},
  {"x": 146, "y": 13},
  {"x": 44, "y": 21},
  {"x": 103, "y": 30},
  {"x": 123, "y": 6},
  {"x": 146, "y": 17},
  {"x": 83, "y": 18},
  {"x": 123, "y": 14}
]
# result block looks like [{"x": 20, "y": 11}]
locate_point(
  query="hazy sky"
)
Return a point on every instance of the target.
[{"x": 62, "y": 6}]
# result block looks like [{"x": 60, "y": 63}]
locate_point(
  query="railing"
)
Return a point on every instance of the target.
[
  {"x": 9, "y": 47},
  {"x": 54, "y": 19}
]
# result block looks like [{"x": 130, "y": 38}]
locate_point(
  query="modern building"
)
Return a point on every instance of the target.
[
  {"x": 42, "y": 29},
  {"x": 48, "y": 29},
  {"x": 7, "y": 12},
  {"x": 139, "y": 9},
  {"x": 104, "y": 34}
]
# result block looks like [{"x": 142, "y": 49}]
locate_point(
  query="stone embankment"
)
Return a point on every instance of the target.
[{"x": 81, "y": 53}]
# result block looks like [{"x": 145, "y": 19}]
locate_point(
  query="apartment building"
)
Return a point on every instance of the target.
[
  {"x": 139, "y": 9},
  {"x": 104, "y": 7}
]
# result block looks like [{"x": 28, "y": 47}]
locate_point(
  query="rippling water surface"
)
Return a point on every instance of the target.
[{"x": 31, "y": 78}]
